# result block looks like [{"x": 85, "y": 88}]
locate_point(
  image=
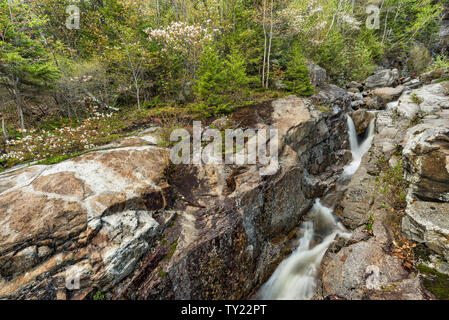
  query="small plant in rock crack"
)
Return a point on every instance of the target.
[
  {"x": 99, "y": 296},
  {"x": 391, "y": 183},
  {"x": 403, "y": 249},
  {"x": 416, "y": 99},
  {"x": 369, "y": 224},
  {"x": 416, "y": 119}
]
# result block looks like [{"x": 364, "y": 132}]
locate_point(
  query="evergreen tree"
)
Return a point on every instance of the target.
[
  {"x": 234, "y": 72},
  {"x": 210, "y": 76},
  {"x": 24, "y": 61},
  {"x": 221, "y": 81},
  {"x": 297, "y": 77}
]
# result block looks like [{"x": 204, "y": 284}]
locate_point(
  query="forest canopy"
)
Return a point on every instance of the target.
[{"x": 103, "y": 65}]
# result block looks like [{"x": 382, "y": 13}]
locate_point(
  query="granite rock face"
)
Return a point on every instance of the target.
[
  {"x": 426, "y": 156},
  {"x": 383, "y": 78},
  {"x": 367, "y": 266},
  {"x": 426, "y": 161},
  {"x": 389, "y": 94},
  {"x": 425, "y": 100},
  {"x": 128, "y": 222},
  {"x": 93, "y": 213},
  {"x": 244, "y": 231}
]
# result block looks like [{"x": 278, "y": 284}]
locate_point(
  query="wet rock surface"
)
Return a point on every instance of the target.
[{"x": 362, "y": 118}]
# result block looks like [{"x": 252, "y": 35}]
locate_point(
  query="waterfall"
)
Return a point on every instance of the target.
[
  {"x": 295, "y": 277},
  {"x": 358, "y": 149}
]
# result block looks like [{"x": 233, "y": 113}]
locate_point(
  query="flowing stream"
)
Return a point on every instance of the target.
[{"x": 295, "y": 278}]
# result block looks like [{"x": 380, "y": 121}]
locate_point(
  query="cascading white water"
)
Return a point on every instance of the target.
[
  {"x": 358, "y": 149},
  {"x": 295, "y": 277}
]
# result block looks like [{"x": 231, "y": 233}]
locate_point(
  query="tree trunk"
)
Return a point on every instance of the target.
[
  {"x": 269, "y": 45},
  {"x": 136, "y": 83},
  {"x": 4, "y": 129},
  {"x": 265, "y": 43},
  {"x": 19, "y": 103}
]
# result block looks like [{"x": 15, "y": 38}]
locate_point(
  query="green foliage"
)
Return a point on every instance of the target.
[
  {"x": 23, "y": 58},
  {"x": 221, "y": 82},
  {"x": 297, "y": 78},
  {"x": 114, "y": 60},
  {"x": 416, "y": 99},
  {"x": 419, "y": 59},
  {"x": 436, "y": 282},
  {"x": 391, "y": 183},
  {"x": 407, "y": 21},
  {"x": 162, "y": 273},
  {"x": 369, "y": 225},
  {"x": 172, "y": 250},
  {"x": 58, "y": 159},
  {"x": 441, "y": 61},
  {"x": 348, "y": 58},
  {"x": 99, "y": 296}
]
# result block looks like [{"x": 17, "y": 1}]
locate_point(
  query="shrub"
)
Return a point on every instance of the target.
[
  {"x": 99, "y": 296},
  {"x": 221, "y": 82},
  {"x": 297, "y": 78},
  {"x": 58, "y": 144},
  {"x": 441, "y": 61},
  {"x": 419, "y": 59}
]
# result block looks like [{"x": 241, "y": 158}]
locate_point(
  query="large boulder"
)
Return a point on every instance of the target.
[
  {"x": 373, "y": 102},
  {"x": 425, "y": 100},
  {"x": 363, "y": 271},
  {"x": 318, "y": 75},
  {"x": 429, "y": 76},
  {"x": 426, "y": 163},
  {"x": 383, "y": 78},
  {"x": 92, "y": 214},
  {"x": 362, "y": 118},
  {"x": 354, "y": 208},
  {"x": 428, "y": 223},
  {"x": 389, "y": 94},
  {"x": 426, "y": 159},
  {"x": 332, "y": 96}
]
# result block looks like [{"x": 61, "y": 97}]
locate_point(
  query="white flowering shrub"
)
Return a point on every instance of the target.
[
  {"x": 181, "y": 36},
  {"x": 181, "y": 42},
  {"x": 42, "y": 144}
]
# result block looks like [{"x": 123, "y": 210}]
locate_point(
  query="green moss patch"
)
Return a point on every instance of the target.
[{"x": 434, "y": 281}]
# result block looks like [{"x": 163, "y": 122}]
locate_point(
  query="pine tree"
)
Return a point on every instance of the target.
[
  {"x": 24, "y": 61},
  {"x": 221, "y": 82},
  {"x": 210, "y": 76},
  {"x": 234, "y": 72},
  {"x": 297, "y": 77}
]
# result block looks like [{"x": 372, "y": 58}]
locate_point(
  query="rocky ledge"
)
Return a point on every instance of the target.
[
  {"x": 127, "y": 222},
  {"x": 397, "y": 206}
]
